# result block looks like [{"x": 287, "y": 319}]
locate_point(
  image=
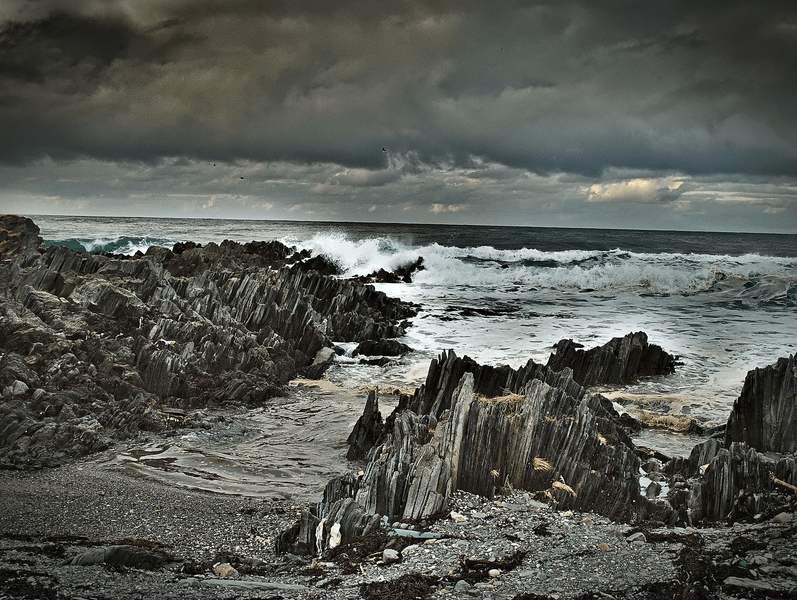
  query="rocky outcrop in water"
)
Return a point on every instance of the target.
[
  {"x": 621, "y": 360},
  {"x": 484, "y": 429},
  {"x": 94, "y": 348},
  {"x": 402, "y": 274},
  {"x": 768, "y": 400}
]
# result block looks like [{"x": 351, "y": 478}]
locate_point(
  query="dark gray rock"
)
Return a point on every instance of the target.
[
  {"x": 767, "y": 402},
  {"x": 621, "y": 360},
  {"x": 124, "y": 555},
  {"x": 196, "y": 327},
  {"x": 383, "y": 347},
  {"x": 367, "y": 430}
]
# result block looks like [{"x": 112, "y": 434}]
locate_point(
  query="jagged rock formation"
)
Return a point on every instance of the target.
[
  {"x": 618, "y": 361},
  {"x": 481, "y": 428},
  {"x": 737, "y": 476},
  {"x": 94, "y": 347},
  {"x": 767, "y": 402}
]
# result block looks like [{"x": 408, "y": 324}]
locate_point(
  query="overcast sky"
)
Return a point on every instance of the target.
[{"x": 662, "y": 115}]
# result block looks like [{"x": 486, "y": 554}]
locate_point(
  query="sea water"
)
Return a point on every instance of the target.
[{"x": 724, "y": 303}]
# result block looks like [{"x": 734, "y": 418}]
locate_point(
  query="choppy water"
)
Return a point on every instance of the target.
[{"x": 724, "y": 303}]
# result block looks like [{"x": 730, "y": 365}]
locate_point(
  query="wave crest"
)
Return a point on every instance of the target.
[
  {"x": 127, "y": 245},
  {"x": 530, "y": 269}
]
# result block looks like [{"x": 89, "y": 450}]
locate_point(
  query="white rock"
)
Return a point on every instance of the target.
[
  {"x": 458, "y": 518},
  {"x": 493, "y": 573},
  {"x": 334, "y": 536},
  {"x": 390, "y": 556}
]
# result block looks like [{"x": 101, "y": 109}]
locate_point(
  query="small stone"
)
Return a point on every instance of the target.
[
  {"x": 749, "y": 584},
  {"x": 603, "y": 546},
  {"x": 461, "y": 586},
  {"x": 390, "y": 556},
  {"x": 457, "y": 517},
  {"x": 224, "y": 570},
  {"x": 653, "y": 489},
  {"x": 783, "y": 517},
  {"x": 587, "y": 522},
  {"x": 638, "y": 536},
  {"x": 526, "y": 574},
  {"x": 494, "y": 573},
  {"x": 18, "y": 388}
]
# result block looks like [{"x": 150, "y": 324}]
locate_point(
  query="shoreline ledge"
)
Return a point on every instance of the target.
[
  {"x": 485, "y": 430},
  {"x": 100, "y": 348},
  {"x": 487, "y": 482}
]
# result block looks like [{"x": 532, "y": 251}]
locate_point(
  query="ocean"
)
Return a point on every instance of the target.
[{"x": 723, "y": 302}]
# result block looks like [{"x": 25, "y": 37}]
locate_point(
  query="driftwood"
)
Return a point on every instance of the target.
[{"x": 783, "y": 484}]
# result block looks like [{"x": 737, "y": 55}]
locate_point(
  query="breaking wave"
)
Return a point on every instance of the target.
[
  {"x": 751, "y": 276},
  {"x": 127, "y": 245}
]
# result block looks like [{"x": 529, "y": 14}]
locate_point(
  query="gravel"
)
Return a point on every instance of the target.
[{"x": 508, "y": 547}]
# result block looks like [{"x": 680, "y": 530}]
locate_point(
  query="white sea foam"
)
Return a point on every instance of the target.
[{"x": 529, "y": 269}]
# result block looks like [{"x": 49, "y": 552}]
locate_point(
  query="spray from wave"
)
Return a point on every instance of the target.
[
  {"x": 126, "y": 245},
  {"x": 751, "y": 276}
]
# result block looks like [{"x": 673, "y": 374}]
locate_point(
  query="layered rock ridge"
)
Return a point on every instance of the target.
[
  {"x": 751, "y": 470},
  {"x": 96, "y": 347},
  {"x": 484, "y": 429}
]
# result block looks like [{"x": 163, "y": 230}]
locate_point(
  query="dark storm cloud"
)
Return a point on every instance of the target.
[{"x": 576, "y": 87}]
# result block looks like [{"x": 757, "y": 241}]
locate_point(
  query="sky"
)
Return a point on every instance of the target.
[{"x": 652, "y": 115}]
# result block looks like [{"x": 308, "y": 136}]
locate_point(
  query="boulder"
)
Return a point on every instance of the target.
[
  {"x": 383, "y": 347},
  {"x": 621, "y": 360},
  {"x": 767, "y": 403}
]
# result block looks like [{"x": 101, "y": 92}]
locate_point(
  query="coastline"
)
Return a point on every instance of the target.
[
  {"x": 103, "y": 350},
  {"x": 53, "y": 515}
]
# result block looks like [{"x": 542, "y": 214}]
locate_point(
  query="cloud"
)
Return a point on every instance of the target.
[
  {"x": 565, "y": 87},
  {"x": 438, "y": 209},
  {"x": 639, "y": 191},
  {"x": 515, "y": 110}
]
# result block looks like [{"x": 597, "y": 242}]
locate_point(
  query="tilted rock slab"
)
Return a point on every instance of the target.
[
  {"x": 531, "y": 443},
  {"x": 765, "y": 414},
  {"x": 113, "y": 339}
]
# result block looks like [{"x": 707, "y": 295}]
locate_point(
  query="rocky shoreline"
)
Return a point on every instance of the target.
[{"x": 486, "y": 482}]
